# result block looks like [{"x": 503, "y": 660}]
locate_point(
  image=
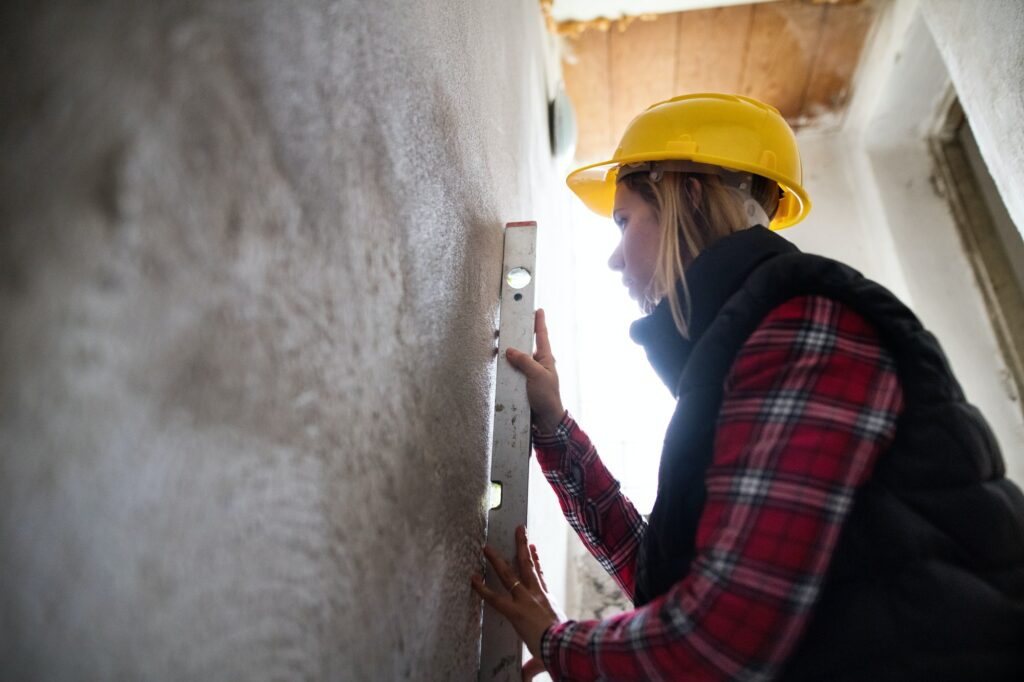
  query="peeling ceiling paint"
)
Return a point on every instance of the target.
[{"x": 584, "y": 10}]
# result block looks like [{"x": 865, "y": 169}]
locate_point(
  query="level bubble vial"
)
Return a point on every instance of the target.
[
  {"x": 494, "y": 495},
  {"x": 518, "y": 278}
]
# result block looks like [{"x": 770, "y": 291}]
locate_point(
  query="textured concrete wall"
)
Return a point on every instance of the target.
[
  {"x": 249, "y": 265},
  {"x": 981, "y": 45}
]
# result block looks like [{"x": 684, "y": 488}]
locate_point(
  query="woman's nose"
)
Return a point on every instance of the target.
[{"x": 615, "y": 262}]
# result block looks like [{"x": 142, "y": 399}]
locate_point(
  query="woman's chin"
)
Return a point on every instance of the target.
[{"x": 642, "y": 302}]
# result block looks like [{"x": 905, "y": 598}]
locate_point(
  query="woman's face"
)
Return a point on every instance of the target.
[{"x": 637, "y": 252}]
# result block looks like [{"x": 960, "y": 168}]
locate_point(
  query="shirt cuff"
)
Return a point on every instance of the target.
[
  {"x": 549, "y": 439},
  {"x": 545, "y": 437},
  {"x": 549, "y": 648},
  {"x": 551, "y": 447}
]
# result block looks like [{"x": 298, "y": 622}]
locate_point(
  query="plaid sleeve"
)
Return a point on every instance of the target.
[
  {"x": 810, "y": 401},
  {"x": 606, "y": 521}
]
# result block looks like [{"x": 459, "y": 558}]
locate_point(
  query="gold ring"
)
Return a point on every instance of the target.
[{"x": 515, "y": 585}]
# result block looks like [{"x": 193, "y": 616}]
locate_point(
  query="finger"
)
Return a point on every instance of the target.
[
  {"x": 540, "y": 571},
  {"x": 523, "y": 558},
  {"x": 524, "y": 363},
  {"x": 533, "y": 667},
  {"x": 504, "y": 572},
  {"x": 540, "y": 328},
  {"x": 498, "y": 601}
]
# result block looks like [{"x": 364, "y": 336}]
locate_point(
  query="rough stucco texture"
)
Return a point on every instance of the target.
[
  {"x": 981, "y": 45},
  {"x": 249, "y": 265}
]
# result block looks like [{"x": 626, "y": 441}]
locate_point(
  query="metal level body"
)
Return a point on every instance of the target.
[{"x": 501, "y": 648}]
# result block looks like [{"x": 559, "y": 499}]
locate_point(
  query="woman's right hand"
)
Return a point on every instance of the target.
[{"x": 541, "y": 378}]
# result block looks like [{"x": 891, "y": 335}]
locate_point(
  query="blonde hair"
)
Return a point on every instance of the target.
[{"x": 694, "y": 210}]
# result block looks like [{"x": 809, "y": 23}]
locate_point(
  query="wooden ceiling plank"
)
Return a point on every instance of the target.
[
  {"x": 642, "y": 68},
  {"x": 797, "y": 56},
  {"x": 844, "y": 32},
  {"x": 783, "y": 45},
  {"x": 589, "y": 89},
  {"x": 712, "y": 49}
]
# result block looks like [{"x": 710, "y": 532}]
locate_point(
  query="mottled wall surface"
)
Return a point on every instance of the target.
[
  {"x": 249, "y": 266},
  {"x": 981, "y": 45}
]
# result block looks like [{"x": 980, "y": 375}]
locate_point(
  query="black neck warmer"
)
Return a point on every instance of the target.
[{"x": 715, "y": 275}]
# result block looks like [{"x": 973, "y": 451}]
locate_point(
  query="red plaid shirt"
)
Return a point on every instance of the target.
[{"x": 809, "y": 402}]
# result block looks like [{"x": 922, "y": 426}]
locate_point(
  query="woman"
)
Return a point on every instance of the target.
[{"x": 829, "y": 506}]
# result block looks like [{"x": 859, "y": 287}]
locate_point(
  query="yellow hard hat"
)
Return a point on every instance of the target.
[{"x": 731, "y": 131}]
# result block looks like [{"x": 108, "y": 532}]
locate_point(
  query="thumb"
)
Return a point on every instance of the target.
[{"x": 533, "y": 667}]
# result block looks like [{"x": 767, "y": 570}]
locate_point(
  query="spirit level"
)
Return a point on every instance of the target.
[{"x": 500, "y": 647}]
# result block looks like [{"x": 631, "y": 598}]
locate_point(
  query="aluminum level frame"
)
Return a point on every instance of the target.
[{"x": 500, "y": 646}]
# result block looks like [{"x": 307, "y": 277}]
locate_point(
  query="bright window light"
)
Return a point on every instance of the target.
[{"x": 624, "y": 406}]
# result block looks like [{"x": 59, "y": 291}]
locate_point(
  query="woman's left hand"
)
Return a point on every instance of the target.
[{"x": 526, "y": 605}]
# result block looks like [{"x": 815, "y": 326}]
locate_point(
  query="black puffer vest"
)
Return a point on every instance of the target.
[{"x": 927, "y": 579}]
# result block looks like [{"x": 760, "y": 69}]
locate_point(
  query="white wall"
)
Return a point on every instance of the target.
[
  {"x": 843, "y": 222},
  {"x": 249, "y": 267}
]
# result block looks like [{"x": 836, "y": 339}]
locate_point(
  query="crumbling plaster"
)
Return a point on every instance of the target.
[{"x": 249, "y": 265}]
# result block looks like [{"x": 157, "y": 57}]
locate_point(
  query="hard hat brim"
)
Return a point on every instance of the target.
[{"x": 595, "y": 185}]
